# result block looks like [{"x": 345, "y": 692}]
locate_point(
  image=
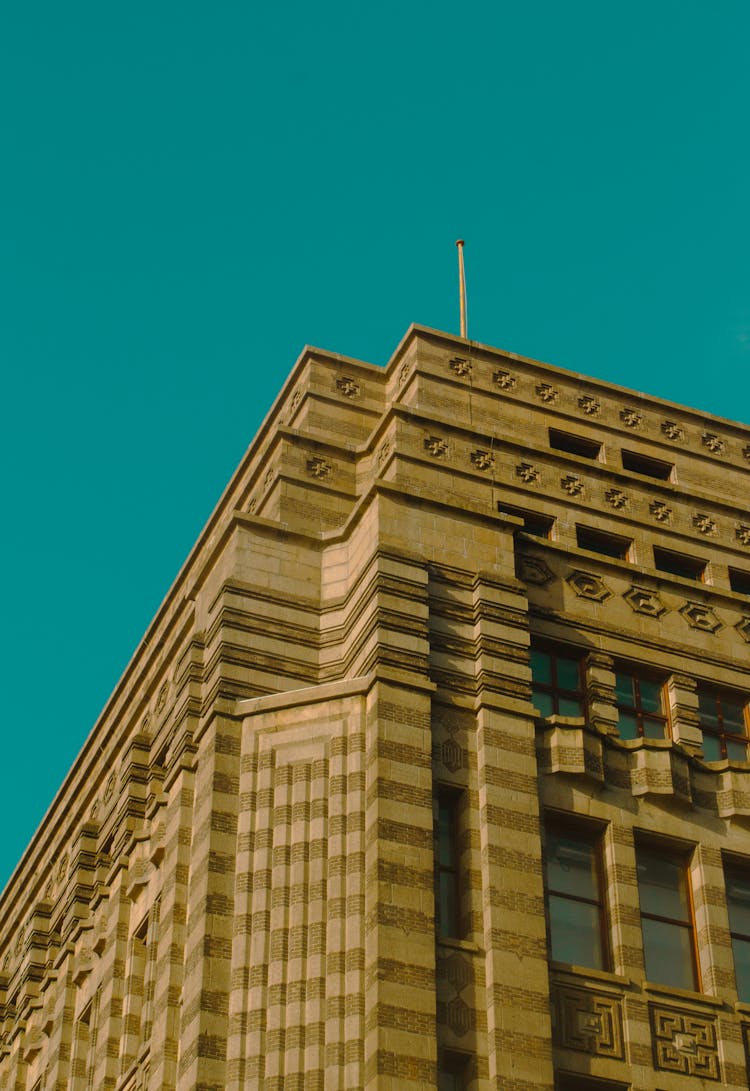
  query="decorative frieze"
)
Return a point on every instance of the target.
[
  {"x": 460, "y": 366},
  {"x": 571, "y": 484},
  {"x": 347, "y": 386},
  {"x": 534, "y": 570},
  {"x": 587, "y": 585},
  {"x": 684, "y": 1042},
  {"x": 482, "y": 460},
  {"x": 672, "y": 430},
  {"x": 504, "y": 379},
  {"x": 703, "y": 523},
  {"x": 660, "y": 511},
  {"x": 528, "y": 473},
  {"x": 588, "y": 1021},
  {"x": 742, "y": 533},
  {"x": 436, "y": 446},
  {"x": 715, "y": 444},
  {"x": 616, "y": 498},
  {"x": 547, "y": 393},
  {"x": 700, "y": 616},
  {"x": 642, "y": 600},
  {"x": 631, "y": 418},
  {"x": 319, "y": 468},
  {"x": 589, "y": 405}
]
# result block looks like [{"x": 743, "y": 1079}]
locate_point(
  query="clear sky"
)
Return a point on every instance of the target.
[{"x": 190, "y": 192}]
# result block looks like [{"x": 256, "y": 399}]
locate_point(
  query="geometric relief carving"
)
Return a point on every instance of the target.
[
  {"x": 588, "y": 586},
  {"x": 319, "y": 467},
  {"x": 348, "y": 387},
  {"x": 684, "y": 1042},
  {"x": 704, "y": 523},
  {"x": 631, "y": 418},
  {"x": 672, "y": 430},
  {"x": 588, "y": 1021},
  {"x": 714, "y": 443},
  {"x": 589, "y": 405},
  {"x": 701, "y": 617},
  {"x": 504, "y": 379},
  {"x": 533, "y": 570},
  {"x": 660, "y": 511},
  {"x": 483, "y": 460},
  {"x": 616, "y": 497},
  {"x": 460, "y": 366},
  {"x": 644, "y": 601},
  {"x": 452, "y": 755},
  {"x": 547, "y": 392},
  {"x": 742, "y": 533},
  {"x": 743, "y": 628},
  {"x": 572, "y": 484},
  {"x": 435, "y": 446},
  {"x": 454, "y": 974}
]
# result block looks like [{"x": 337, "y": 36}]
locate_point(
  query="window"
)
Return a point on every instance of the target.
[
  {"x": 447, "y": 873},
  {"x": 598, "y": 541},
  {"x": 574, "y": 445},
  {"x": 723, "y": 721},
  {"x": 640, "y": 703},
  {"x": 650, "y": 467},
  {"x": 453, "y": 1069},
  {"x": 574, "y": 896},
  {"x": 678, "y": 564},
  {"x": 533, "y": 521},
  {"x": 739, "y": 581},
  {"x": 556, "y": 682},
  {"x": 737, "y": 879},
  {"x": 666, "y": 918},
  {"x": 571, "y": 1081}
]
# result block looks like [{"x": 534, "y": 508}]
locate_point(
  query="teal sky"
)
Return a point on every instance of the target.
[{"x": 190, "y": 193}]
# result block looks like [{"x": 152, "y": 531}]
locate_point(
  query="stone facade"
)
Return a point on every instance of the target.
[{"x": 236, "y": 885}]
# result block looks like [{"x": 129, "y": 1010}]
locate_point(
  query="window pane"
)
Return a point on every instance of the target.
[
  {"x": 736, "y": 751},
  {"x": 448, "y": 1081},
  {"x": 653, "y": 729},
  {"x": 662, "y": 887},
  {"x": 569, "y": 706},
  {"x": 734, "y": 720},
  {"x": 543, "y": 701},
  {"x": 567, "y": 673},
  {"x": 447, "y": 904},
  {"x": 446, "y": 836},
  {"x": 624, "y": 689},
  {"x": 669, "y": 954},
  {"x": 575, "y": 932},
  {"x": 707, "y": 709},
  {"x": 741, "y": 950},
  {"x": 541, "y": 666},
  {"x": 627, "y": 726},
  {"x": 571, "y": 866},
  {"x": 711, "y": 747},
  {"x": 738, "y": 900},
  {"x": 650, "y": 695}
]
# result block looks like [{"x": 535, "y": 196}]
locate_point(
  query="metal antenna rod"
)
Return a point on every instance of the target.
[{"x": 462, "y": 285}]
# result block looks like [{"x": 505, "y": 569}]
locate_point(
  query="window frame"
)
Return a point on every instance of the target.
[
  {"x": 636, "y": 463},
  {"x": 448, "y": 800},
  {"x": 739, "y": 581},
  {"x": 637, "y": 710},
  {"x": 604, "y": 543},
  {"x": 682, "y": 856},
  {"x": 563, "y": 824},
  {"x": 743, "y": 701},
  {"x": 680, "y": 564},
  {"x": 553, "y": 690},
  {"x": 572, "y": 443}
]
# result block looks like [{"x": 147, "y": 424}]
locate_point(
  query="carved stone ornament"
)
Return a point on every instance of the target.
[
  {"x": 161, "y": 700},
  {"x": 631, "y": 418},
  {"x": 483, "y": 460},
  {"x": 383, "y": 452},
  {"x": 294, "y": 403},
  {"x": 403, "y": 374},
  {"x": 319, "y": 467},
  {"x": 704, "y": 523},
  {"x": 252, "y": 504},
  {"x": 616, "y": 497},
  {"x": 528, "y": 473},
  {"x": 109, "y": 789},
  {"x": 268, "y": 480},
  {"x": 685, "y": 1042},
  {"x": 700, "y": 616},
  {"x": 452, "y": 755},
  {"x": 714, "y": 443},
  {"x": 589, "y": 405},
  {"x": 672, "y": 430},
  {"x": 435, "y": 446},
  {"x": 743, "y": 628},
  {"x": 644, "y": 601},
  {"x": 742, "y": 533},
  {"x": 547, "y": 393},
  {"x": 534, "y": 570},
  {"x": 504, "y": 379},
  {"x": 588, "y": 1021},
  {"x": 660, "y": 511},
  {"x": 589, "y": 586},
  {"x": 348, "y": 387},
  {"x": 746, "y": 452},
  {"x": 460, "y": 366},
  {"x": 571, "y": 484}
]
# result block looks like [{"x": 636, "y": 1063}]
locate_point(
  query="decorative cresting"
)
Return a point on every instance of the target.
[
  {"x": 616, "y": 498},
  {"x": 714, "y": 443},
  {"x": 589, "y": 404},
  {"x": 703, "y": 523},
  {"x": 588, "y": 1021},
  {"x": 528, "y": 473},
  {"x": 319, "y": 467},
  {"x": 672, "y": 430},
  {"x": 504, "y": 379},
  {"x": 587, "y": 585},
  {"x": 643, "y": 600},
  {"x": 347, "y": 386},
  {"x": 482, "y": 460},
  {"x": 461, "y": 366},
  {"x": 660, "y": 511},
  {"x": 455, "y": 982},
  {"x": 571, "y": 484},
  {"x": 742, "y": 533},
  {"x": 631, "y": 418},
  {"x": 534, "y": 570},
  {"x": 700, "y": 616},
  {"x": 436, "y": 446},
  {"x": 547, "y": 393},
  {"x": 684, "y": 1042}
]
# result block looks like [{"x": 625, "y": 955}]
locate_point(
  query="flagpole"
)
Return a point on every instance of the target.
[{"x": 462, "y": 285}]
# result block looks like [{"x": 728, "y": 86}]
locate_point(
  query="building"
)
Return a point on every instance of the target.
[{"x": 431, "y": 769}]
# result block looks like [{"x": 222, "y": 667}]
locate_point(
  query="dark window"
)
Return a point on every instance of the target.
[
  {"x": 453, "y": 1069},
  {"x": 723, "y": 721},
  {"x": 571, "y": 1081},
  {"x": 598, "y": 541},
  {"x": 739, "y": 581},
  {"x": 651, "y": 467},
  {"x": 447, "y": 861},
  {"x": 556, "y": 682},
  {"x": 737, "y": 878},
  {"x": 574, "y": 445},
  {"x": 666, "y": 918},
  {"x": 678, "y": 564},
  {"x": 640, "y": 703},
  {"x": 574, "y": 896},
  {"x": 533, "y": 521}
]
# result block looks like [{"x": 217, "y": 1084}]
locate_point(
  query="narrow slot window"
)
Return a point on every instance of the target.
[
  {"x": 649, "y": 467},
  {"x": 679, "y": 564},
  {"x": 599, "y": 541},
  {"x": 724, "y": 724},
  {"x": 556, "y": 682},
  {"x": 574, "y": 897},
  {"x": 447, "y": 865},
  {"x": 574, "y": 445},
  {"x": 640, "y": 705},
  {"x": 534, "y": 522},
  {"x": 666, "y": 918}
]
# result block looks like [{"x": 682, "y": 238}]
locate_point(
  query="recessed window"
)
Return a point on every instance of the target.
[
  {"x": 640, "y": 705},
  {"x": 737, "y": 879},
  {"x": 571, "y": 1081},
  {"x": 679, "y": 564},
  {"x": 533, "y": 521},
  {"x": 574, "y": 445},
  {"x": 649, "y": 467},
  {"x": 574, "y": 896},
  {"x": 598, "y": 541},
  {"x": 556, "y": 682},
  {"x": 666, "y": 917},
  {"x": 724, "y": 723},
  {"x": 453, "y": 1070},
  {"x": 447, "y": 863},
  {"x": 739, "y": 581}
]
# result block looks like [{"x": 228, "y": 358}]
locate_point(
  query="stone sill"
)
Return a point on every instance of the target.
[
  {"x": 683, "y": 994},
  {"x": 569, "y": 969}
]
